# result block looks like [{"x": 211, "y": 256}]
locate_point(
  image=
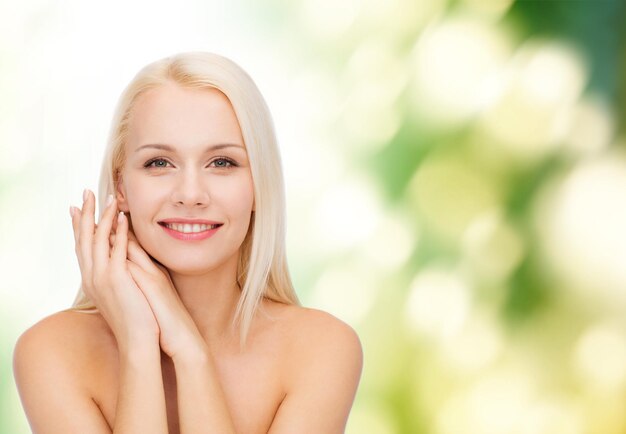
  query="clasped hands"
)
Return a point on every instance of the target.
[{"x": 134, "y": 294}]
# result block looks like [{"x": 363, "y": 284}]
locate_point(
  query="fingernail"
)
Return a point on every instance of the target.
[
  {"x": 120, "y": 217},
  {"x": 71, "y": 211},
  {"x": 109, "y": 200},
  {"x": 84, "y": 195}
]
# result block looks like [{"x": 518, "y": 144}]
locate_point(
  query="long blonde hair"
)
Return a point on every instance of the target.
[{"x": 262, "y": 269}]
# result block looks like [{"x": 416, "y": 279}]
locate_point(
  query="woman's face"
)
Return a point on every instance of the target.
[{"x": 185, "y": 163}]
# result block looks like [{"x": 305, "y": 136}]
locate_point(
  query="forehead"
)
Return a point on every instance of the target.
[{"x": 177, "y": 115}]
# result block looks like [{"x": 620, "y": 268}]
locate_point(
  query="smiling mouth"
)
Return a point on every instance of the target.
[{"x": 187, "y": 228}]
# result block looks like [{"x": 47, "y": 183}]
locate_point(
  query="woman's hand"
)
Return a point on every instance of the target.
[
  {"x": 106, "y": 277},
  {"x": 179, "y": 336}
]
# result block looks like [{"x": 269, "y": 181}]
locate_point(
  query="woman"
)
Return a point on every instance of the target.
[{"x": 186, "y": 320}]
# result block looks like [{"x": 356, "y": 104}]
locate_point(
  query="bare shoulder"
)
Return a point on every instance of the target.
[
  {"x": 65, "y": 334},
  {"x": 311, "y": 339},
  {"x": 328, "y": 336},
  {"x": 321, "y": 369},
  {"x": 314, "y": 325},
  {"x": 53, "y": 371},
  {"x": 66, "y": 343},
  {"x": 305, "y": 326}
]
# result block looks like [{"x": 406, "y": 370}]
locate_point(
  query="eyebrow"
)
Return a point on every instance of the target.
[{"x": 172, "y": 149}]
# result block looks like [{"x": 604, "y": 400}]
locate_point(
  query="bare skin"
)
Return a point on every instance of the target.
[
  {"x": 158, "y": 357},
  {"x": 255, "y": 381}
]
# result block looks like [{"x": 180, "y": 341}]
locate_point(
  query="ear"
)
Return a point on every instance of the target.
[{"x": 120, "y": 190}]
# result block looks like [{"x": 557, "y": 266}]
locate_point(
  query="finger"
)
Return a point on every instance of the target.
[
  {"x": 120, "y": 246},
  {"x": 144, "y": 282},
  {"x": 75, "y": 214},
  {"x": 114, "y": 227},
  {"x": 139, "y": 256},
  {"x": 149, "y": 264},
  {"x": 140, "y": 275},
  {"x": 85, "y": 234},
  {"x": 159, "y": 301},
  {"x": 165, "y": 272},
  {"x": 101, "y": 249},
  {"x": 131, "y": 234},
  {"x": 75, "y": 217}
]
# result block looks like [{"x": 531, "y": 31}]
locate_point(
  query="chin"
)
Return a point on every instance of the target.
[
  {"x": 194, "y": 265},
  {"x": 188, "y": 271}
]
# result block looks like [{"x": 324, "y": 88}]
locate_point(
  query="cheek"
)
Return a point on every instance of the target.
[
  {"x": 141, "y": 200},
  {"x": 143, "y": 194},
  {"x": 243, "y": 200},
  {"x": 236, "y": 197}
]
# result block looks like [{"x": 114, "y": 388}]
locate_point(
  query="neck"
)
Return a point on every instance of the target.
[{"x": 210, "y": 299}]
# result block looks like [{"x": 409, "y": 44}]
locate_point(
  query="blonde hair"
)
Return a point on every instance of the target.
[{"x": 262, "y": 269}]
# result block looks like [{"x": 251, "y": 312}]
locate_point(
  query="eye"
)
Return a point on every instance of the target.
[
  {"x": 160, "y": 163},
  {"x": 223, "y": 163}
]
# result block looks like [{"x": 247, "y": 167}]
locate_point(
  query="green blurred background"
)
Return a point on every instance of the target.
[{"x": 456, "y": 185}]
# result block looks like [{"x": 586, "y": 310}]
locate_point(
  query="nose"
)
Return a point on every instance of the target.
[{"x": 190, "y": 189}]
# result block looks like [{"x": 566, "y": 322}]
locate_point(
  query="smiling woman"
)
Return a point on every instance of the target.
[{"x": 186, "y": 319}]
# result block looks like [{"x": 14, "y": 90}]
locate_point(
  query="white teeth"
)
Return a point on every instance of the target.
[{"x": 189, "y": 228}]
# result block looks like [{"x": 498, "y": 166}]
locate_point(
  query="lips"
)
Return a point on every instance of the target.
[
  {"x": 189, "y": 226},
  {"x": 189, "y": 221},
  {"x": 189, "y": 232}
]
